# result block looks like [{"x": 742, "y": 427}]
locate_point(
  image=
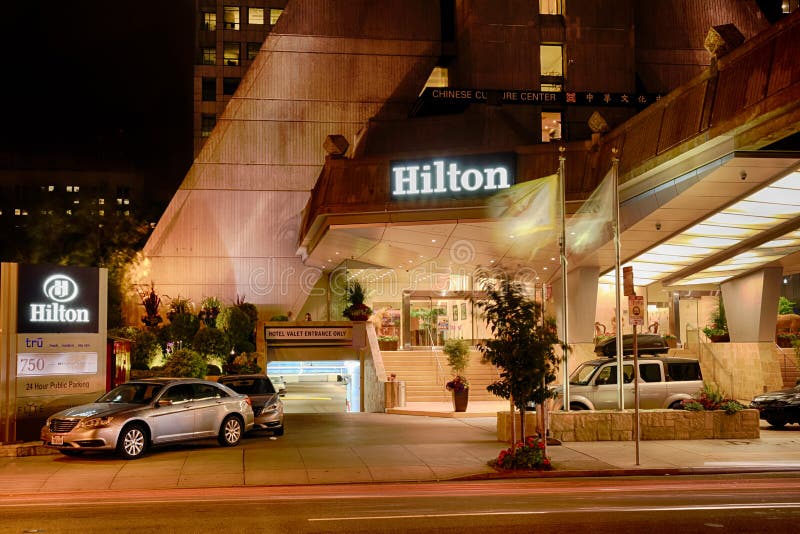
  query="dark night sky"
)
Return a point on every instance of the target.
[{"x": 108, "y": 82}]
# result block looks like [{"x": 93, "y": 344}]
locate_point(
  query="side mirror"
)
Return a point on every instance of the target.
[{"x": 164, "y": 402}]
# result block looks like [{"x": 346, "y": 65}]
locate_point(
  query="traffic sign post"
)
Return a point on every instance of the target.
[{"x": 636, "y": 316}]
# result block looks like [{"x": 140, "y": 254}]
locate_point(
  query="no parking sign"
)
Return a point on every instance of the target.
[{"x": 636, "y": 310}]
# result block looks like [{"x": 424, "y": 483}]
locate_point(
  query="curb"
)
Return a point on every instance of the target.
[{"x": 647, "y": 472}]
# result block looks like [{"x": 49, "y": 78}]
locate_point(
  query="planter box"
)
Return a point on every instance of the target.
[{"x": 656, "y": 425}]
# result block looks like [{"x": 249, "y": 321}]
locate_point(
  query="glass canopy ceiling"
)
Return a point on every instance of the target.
[{"x": 734, "y": 227}]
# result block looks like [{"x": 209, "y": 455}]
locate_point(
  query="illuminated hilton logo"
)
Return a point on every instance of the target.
[
  {"x": 60, "y": 289},
  {"x": 441, "y": 176}
]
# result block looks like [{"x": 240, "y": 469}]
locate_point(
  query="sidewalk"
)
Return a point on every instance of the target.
[{"x": 370, "y": 448}]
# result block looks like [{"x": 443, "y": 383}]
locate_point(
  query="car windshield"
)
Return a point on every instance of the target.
[
  {"x": 583, "y": 374},
  {"x": 132, "y": 393}
]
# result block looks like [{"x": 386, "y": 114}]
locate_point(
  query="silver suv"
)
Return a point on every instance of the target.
[{"x": 663, "y": 383}]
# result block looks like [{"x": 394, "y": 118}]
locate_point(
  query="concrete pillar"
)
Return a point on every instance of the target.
[
  {"x": 582, "y": 293},
  {"x": 751, "y": 305}
]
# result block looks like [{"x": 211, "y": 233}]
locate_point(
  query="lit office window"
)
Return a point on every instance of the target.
[
  {"x": 255, "y": 15},
  {"x": 17, "y": 211},
  {"x": 119, "y": 202},
  {"x": 209, "y": 55},
  {"x": 51, "y": 188},
  {"x": 551, "y": 7},
  {"x": 126, "y": 213},
  {"x": 552, "y": 62},
  {"x": 230, "y": 17},
  {"x": 274, "y": 15},
  {"x": 76, "y": 201},
  {"x": 252, "y": 50},
  {"x": 209, "y": 21},
  {"x": 69, "y": 189},
  {"x": 551, "y": 126},
  {"x": 207, "y": 123},
  {"x": 209, "y": 89},
  {"x": 69, "y": 212},
  {"x": 231, "y": 53},
  {"x": 101, "y": 201},
  {"x": 101, "y": 213},
  {"x": 229, "y": 85}
]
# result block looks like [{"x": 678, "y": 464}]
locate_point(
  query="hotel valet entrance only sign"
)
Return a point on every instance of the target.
[{"x": 452, "y": 177}]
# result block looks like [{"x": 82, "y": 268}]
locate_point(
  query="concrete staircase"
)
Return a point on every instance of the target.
[{"x": 425, "y": 373}]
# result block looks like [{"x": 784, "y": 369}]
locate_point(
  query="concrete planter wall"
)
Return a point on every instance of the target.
[{"x": 656, "y": 425}]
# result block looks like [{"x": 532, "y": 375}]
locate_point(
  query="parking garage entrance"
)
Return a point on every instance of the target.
[{"x": 327, "y": 365}]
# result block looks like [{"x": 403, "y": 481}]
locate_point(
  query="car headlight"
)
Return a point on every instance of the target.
[{"x": 95, "y": 422}]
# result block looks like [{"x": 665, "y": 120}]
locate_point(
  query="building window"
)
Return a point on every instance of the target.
[
  {"x": 209, "y": 22},
  {"x": 229, "y": 85},
  {"x": 230, "y": 17},
  {"x": 551, "y": 56},
  {"x": 209, "y": 55},
  {"x": 274, "y": 15},
  {"x": 252, "y": 50},
  {"x": 209, "y": 89},
  {"x": 551, "y": 87},
  {"x": 231, "y": 54},
  {"x": 101, "y": 213},
  {"x": 551, "y": 7},
  {"x": 551, "y": 126},
  {"x": 207, "y": 124},
  {"x": 51, "y": 188},
  {"x": 101, "y": 201},
  {"x": 255, "y": 15}
]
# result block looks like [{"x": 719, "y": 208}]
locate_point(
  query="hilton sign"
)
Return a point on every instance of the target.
[
  {"x": 55, "y": 299},
  {"x": 461, "y": 176}
]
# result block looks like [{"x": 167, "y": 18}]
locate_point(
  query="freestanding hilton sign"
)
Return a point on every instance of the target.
[{"x": 464, "y": 175}]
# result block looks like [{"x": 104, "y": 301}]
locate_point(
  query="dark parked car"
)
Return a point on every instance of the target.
[
  {"x": 779, "y": 407},
  {"x": 138, "y": 414},
  {"x": 267, "y": 404},
  {"x": 646, "y": 343}
]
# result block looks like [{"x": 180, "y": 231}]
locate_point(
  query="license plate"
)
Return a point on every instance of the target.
[{"x": 57, "y": 440}]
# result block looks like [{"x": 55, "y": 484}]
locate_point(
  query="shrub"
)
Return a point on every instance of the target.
[
  {"x": 211, "y": 342},
  {"x": 185, "y": 363},
  {"x": 712, "y": 398},
  {"x": 235, "y": 322},
  {"x": 527, "y": 455},
  {"x": 242, "y": 364},
  {"x": 182, "y": 327}
]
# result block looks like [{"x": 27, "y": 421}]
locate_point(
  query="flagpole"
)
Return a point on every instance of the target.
[
  {"x": 617, "y": 271},
  {"x": 565, "y": 320}
]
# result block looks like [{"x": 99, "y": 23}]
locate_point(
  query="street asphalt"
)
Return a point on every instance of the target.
[{"x": 338, "y": 448}]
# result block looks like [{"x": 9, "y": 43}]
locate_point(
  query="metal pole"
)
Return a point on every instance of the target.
[
  {"x": 617, "y": 272},
  {"x": 562, "y": 183},
  {"x": 636, "y": 425}
]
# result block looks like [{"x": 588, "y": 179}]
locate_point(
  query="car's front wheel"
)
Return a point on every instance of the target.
[
  {"x": 231, "y": 431},
  {"x": 132, "y": 442}
]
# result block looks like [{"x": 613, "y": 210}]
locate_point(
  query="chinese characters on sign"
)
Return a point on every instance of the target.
[{"x": 496, "y": 96}]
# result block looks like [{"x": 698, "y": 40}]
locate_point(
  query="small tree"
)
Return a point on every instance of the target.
[
  {"x": 522, "y": 346},
  {"x": 457, "y": 352},
  {"x": 144, "y": 346}
]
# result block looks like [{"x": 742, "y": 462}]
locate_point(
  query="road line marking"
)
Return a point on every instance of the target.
[{"x": 755, "y": 506}]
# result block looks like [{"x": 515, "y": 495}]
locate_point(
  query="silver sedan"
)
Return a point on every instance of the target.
[{"x": 139, "y": 414}]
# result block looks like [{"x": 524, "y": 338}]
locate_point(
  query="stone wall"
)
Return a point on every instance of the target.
[{"x": 656, "y": 425}]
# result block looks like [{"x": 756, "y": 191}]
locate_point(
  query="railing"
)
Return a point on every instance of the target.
[{"x": 790, "y": 372}]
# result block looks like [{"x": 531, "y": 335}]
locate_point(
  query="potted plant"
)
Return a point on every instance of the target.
[
  {"x": 457, "y": 352},
  {"x": 672, "y": 341},
  {"x": 717, "y": 331},
  {"x": 388, "y": 342},
  {"x": 355, "y": 309}
]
